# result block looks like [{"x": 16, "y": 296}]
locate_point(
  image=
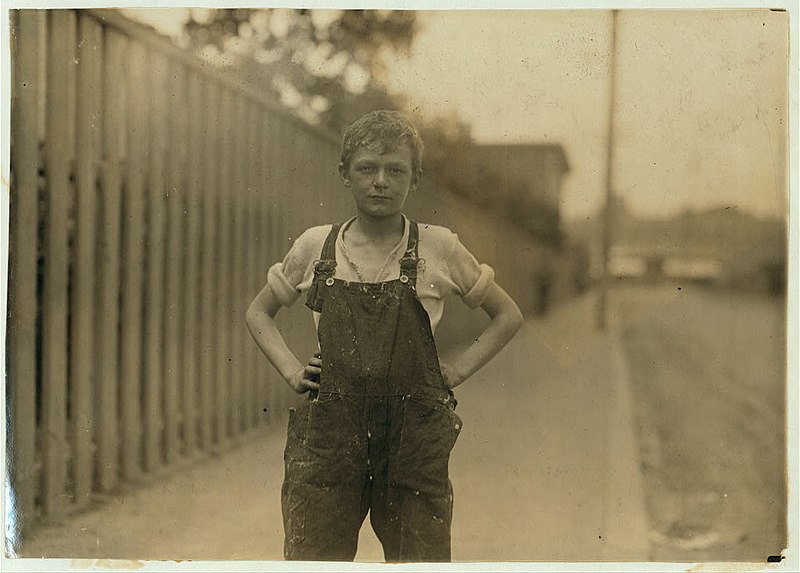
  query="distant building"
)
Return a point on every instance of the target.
[
  {"x": 530, "y": 177},
  {"x": 527, "y": 181},
  {"x": 725, "y": 246}
]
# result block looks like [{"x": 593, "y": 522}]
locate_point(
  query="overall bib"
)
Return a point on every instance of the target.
[{"x": 377, "y": 435}]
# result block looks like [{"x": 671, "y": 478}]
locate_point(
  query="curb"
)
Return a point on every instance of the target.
[{"x": 625, "y": 518}]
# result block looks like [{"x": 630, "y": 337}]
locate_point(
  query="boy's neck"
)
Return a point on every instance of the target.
[{"x": 380, "y": 228}]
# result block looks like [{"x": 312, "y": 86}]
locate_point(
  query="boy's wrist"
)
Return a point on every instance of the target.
[
  {"x": 460, "y": 376},
  {"x": 451, "y": 374},
  {"x": 290, "y": 371}
]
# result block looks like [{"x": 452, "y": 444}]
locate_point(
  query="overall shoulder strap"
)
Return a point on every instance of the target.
[
  {"x": 409, "y": 264},
  {"x": 329, "y": 248},
  {"x": 412, "y": 250},
  {"x": 324, "y": 270}
]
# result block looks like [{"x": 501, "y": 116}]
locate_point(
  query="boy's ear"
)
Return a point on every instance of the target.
[
  {"x": 415, "y": 181},
  {"x": 343, "y": 174}
]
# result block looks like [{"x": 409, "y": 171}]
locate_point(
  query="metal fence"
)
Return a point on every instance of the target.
[{"x": 150, "y": 193}]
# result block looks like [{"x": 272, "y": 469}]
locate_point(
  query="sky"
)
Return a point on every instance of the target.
[{"x": 700, "y": 108}]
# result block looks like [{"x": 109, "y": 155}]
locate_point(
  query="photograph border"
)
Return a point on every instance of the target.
[{"x": 790, "y": 562}]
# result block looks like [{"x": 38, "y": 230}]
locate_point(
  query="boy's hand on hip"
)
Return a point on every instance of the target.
[
  {"x": 307, "y": 377},
  {"x": 450, "y": 376}
]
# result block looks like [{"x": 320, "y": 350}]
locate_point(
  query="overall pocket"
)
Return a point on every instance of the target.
[
  {"x": 296, "y": 432},
  {"x": 428, "y": 434},
  {"x": 333, "y": 447}
]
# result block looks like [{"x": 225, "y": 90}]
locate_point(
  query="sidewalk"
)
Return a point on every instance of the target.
[{"x": 546, "y": 469}]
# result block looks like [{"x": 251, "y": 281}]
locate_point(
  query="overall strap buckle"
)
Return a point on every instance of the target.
[
  {"x": 410, "y": 262},
  {"x": 324, "y": 270}
]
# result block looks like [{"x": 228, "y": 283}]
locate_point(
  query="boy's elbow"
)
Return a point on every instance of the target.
[
  {"x": 515, "y": 319},
  {"x": 503, "y": 311},
  {"x": 251, "y": 316},
  {"x": 260, "y": 312}
]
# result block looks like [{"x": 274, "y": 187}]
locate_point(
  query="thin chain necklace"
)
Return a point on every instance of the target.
[{"x": 381, "y": 270}]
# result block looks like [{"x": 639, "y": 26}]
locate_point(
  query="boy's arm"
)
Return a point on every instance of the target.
[
  {"x": 506, "y": 319},
  {"x": 261, "y": 323}
]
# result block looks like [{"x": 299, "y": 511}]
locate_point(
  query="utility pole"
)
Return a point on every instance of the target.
[{"x": 605, "y": 279}]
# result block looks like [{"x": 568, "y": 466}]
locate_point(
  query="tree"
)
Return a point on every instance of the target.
[
  {"x": 320, "y": 63},
  {"x": 326, "y": 65}
]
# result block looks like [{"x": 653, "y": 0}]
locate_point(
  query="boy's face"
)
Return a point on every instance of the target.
[{"x": 380, "y": 180}]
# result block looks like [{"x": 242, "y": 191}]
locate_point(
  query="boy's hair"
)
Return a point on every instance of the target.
[{"x": 383, "y": 131}]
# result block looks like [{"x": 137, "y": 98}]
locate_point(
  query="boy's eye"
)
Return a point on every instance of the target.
[{"x": 371, "y": 170}]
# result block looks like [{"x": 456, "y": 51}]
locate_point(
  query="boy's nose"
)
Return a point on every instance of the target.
[{"x": 380, "y": 178}]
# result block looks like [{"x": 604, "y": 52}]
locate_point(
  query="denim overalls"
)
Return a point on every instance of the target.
[{"x": 377, "y": 435}]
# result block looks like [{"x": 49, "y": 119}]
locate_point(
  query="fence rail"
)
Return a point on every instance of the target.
[{"x": 150, "y": 193}]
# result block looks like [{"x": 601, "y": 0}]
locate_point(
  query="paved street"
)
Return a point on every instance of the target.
[{"x": 708, "y": 374}]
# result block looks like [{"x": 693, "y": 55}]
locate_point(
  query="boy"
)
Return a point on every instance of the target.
[{"x": 376, "y": 432}]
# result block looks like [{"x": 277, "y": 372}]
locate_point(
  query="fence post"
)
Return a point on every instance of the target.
[
  {"x": 60, "y": 154},
  {"x": 108, "y": 311},
  {"x": 192, "y": 387},
  {"x": 254, "y": 380},
  {"x": 223, "y": 382},
  {"x": 83, "y": 290},
  {"x": 133, "y": 261},
  {"x": 176, "y": 292},
  {"x": 153, "y": 380},
  {"x": 237, "y": 299},
  {"x": 24, "y": 223},
  {"x": 209, "y": 262}
]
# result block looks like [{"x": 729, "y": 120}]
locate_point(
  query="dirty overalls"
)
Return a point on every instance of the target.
[{"x": 377, "y": 435}]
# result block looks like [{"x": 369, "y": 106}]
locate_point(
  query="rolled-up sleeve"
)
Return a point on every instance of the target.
[
  {"x": 472, "y": 278},
  {"x": 287, "y": 278},
  {"x": 279, "y": 284},
  {"x": 477, "y": 294}
]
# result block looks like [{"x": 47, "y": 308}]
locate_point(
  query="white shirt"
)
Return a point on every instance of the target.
[{"x": 447, "y": 268}]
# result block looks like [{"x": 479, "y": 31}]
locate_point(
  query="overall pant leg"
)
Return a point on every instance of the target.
[
  {"x": 325, "y": 480},
  {"x": 412, "y": 500}
]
